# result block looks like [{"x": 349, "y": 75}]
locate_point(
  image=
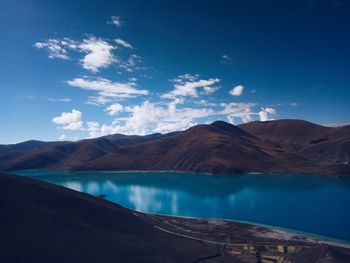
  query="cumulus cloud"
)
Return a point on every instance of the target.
[
  {"x": 265, "y": 114},
  {"x": 149, "y": 117},
  {"x": 93, "y": 128},
  {"x": 98, "y": 53},
  {"x": 114, "y": 109},
  {"x": 107, "y": 89},
  {"x": 188, "y": 85},
  {"x": 69, "y": 120},
  {"x": 243, "y": 111},
  {"x": 115, "y": 20},
  {"x": 123, "y": 43},
  {"x": 237, "y": 91}
]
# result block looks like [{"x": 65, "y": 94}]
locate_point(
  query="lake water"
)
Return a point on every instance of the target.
[{"x": 309, "y": 203}]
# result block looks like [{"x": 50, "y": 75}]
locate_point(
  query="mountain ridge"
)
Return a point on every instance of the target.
[{"x": 220, "y": 147}]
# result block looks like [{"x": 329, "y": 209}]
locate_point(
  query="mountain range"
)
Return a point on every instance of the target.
[{"x": 220, "y": 147}]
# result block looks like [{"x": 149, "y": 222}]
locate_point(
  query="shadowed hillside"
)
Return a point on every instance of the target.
[{"x": 41, "y": 222}]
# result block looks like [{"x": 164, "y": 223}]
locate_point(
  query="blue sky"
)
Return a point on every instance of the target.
[{"x": 80, "y": 69}]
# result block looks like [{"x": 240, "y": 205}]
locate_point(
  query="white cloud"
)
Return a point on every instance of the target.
[
  {"x": 206, "y": 103},
  {"x": 114, "y": 109},
  {"x": 209, "y": 90},
  {"x": 188, "y": 85},
  {"x": 123, "y": 43},
  {"x": 99, "y": 54},
  {"x": 226, "y": 59},
  {"x": 93, "y": 128},
  {"x": 60, "y": 100},
  {"x": 115, "y": 20},
  {"x": 131, "y": 64},
  {"x": 244, "y": 111},
  {"x": 149, "y": 117},
  {"x": 62, "y": 137},
  {"x": 265, "y": 113},
  {"x": 69, "y": 120},
  {"x": 97, "y": 100},
  {"x": 107, "y": 89},
  {"x": 293, "y": 104},
  {"x": 57, "y": 48},
  {"x": 237, "y": 91}
]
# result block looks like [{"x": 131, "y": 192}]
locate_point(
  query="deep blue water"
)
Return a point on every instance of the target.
[{"x": 311, "y": 203}]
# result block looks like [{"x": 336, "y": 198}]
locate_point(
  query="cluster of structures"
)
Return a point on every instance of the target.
[{"x": 264, "y": 253}]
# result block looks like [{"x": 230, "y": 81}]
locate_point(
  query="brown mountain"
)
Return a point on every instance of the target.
[
  {"x": 273, "y": 146},
  {"x": 326, "y": 147}
]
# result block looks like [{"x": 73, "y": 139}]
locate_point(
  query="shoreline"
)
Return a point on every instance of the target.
[
  {"x": 320, "y": 237},
  {"x": 310, "y": 237},
  {"x": 180, "y": 172}
]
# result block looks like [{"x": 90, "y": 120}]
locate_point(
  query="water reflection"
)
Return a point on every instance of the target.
[{"x": 314, "y": 203}]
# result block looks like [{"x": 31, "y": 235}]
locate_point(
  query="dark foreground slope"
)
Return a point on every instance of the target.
[
  {"x": 273, "y": 146},
  {"x": 41, "y": 222}
]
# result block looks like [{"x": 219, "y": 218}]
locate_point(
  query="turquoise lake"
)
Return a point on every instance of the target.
[{"x": 315, "y": 204}]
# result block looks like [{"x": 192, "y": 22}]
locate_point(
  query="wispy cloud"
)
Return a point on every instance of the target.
[
  {"x": 64, "y": 137},
  {"x": 131, "y": 64},
  {"x": 115, "y": 20},
  {"x": 123, "y": 43},
  {"x": 57, "y": 48},
  {"x": 60, "y": 100},
  {"x": 336, "y": 124},
  {"x": 98, "y": 100},
  {"x": 225, "y": 59},
  {"x": 108, "y": 89}
]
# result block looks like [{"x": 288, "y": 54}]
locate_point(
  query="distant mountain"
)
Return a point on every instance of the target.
[
  {"x": 272, "y": 146},
  {"x": 6, "y": 149}
]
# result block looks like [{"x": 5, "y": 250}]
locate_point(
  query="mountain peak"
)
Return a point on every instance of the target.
[{"x": 230, "y": 128}]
